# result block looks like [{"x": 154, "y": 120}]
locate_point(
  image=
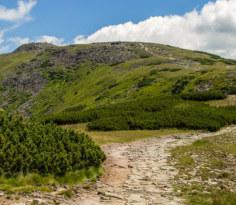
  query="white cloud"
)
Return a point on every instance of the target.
[
  {"x": 18, "y": 41},
  {"x": 16, "y": 14},
  {"x": 14, "y": 17},
  {"x": 212, "y": 29},
  {"x": 80, "y": 39},
  {"x": 51, "y": 39},
  {"x": 9, "y": 44}
]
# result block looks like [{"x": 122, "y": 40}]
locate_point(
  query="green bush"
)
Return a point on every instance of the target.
[
  {"x": 180, "y": 85},
  {"x": 30, "y": 147},
  {"x": 204, "y": 96},
  {"x": 204, "y": 61},
  {"x": 231, "y": 90},
  {"x": 75, "y": 108},
  {"x": 152, "y": 113},
  {"x": 146, "y": 81}
]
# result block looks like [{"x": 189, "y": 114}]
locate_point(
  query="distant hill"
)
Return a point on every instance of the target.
[{"x": 40, "y": 79}]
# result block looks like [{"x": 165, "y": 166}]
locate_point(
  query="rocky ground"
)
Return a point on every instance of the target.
[{"x": 138, "y": 173}]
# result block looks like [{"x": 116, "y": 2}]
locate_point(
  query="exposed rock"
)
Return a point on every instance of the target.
[
  {"x": 31, "y": 82},
  {"x": 34, "y": 47}
]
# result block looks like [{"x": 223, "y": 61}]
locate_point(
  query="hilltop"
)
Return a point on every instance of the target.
[{"x": 41, "y": 79}]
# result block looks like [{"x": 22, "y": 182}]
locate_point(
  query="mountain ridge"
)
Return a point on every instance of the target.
[{"x": 40, "y": 78}]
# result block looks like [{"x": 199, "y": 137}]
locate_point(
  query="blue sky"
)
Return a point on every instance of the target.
[
  {"x": 68, "y": 18},
  {"x": 61, "y": 21}
]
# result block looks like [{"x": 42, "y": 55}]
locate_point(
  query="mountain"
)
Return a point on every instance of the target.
[{"x": 40, "y": 79}]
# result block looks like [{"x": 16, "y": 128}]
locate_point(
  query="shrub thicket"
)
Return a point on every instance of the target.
[
  {"x": 153, "y": 113},
  {"x": 180, "y": 85},
  {"x": 146, "y": 81},
  {"x": 204, "y": 96},
  {"x": 29, "y": 147}
]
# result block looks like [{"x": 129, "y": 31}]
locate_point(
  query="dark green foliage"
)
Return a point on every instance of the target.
[
  {"x": 27, "y": 147},
  {"x": 204, "y": 61},
  {"x": 204, "y": 95},
  {"x": 146, "y": 81},
  {"x": 180, "y": 85},
  {"x": 231, "y": 90},
  {"x": 170, "y": 69},
  {"x": 191, "y": 118},
  {"x": 153, "y": 113},
  {"x": 209, "y": 54},
  {"x": 75, "y": 108},
  {"x": 46, "y": 64},
  {"x": 229, "y": 61},
  {"x": 153, "y": 72},
  {"x": 142, "y": 53}
]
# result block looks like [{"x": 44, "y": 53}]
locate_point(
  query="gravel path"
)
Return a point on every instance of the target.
[{"x": 137, "y": 173}]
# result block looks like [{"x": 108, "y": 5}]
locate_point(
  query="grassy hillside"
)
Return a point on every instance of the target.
[
  {"x": 81, "y": 81},
  {"x": 43, "y": 79}
]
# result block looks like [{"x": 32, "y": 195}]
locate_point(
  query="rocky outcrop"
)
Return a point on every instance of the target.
[
  {"x": 104, "y": 53},
  {"x": 34, "y": 47},
  {"x": 27, "y": 82}
]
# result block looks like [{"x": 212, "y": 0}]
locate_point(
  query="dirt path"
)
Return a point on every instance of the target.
[{"x": 137, "y": 173}]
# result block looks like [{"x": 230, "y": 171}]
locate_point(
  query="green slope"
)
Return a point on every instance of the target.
[{"x": 43, "y": 79}]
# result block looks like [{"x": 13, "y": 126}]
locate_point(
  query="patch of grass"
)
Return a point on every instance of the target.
[
  {"x": 204, "y": 61},
  {"x": 206, "y": 173},
  {"x": 215, "y": 198},
  {"x": 67, "y": 193},
  {"x": 145, "y": 82},
  {"x": 227, "y": 102},
  {"x": 35, "y": 182},
  {"x": 124, "y": 136},
  {"x": 186, "y": 161},
  {"x": 204, "y": 95},
  {"x": 180, "y": 85}
]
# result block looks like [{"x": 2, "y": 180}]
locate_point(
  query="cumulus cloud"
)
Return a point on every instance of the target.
[
  {"x": 14, "y": 17},
  {"x": 51, "y": 39},
  {"x": 211, "y": 29},
  {"x": 11, "y": 43},
  {"x": 16, "y": 14},
  {"x": 18, "y": 41}
]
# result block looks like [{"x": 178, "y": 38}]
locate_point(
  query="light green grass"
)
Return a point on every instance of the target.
[
  {"x": 9, "y": 62},
  {"x": 35, "y": 182},
  {"x": 208, "y": 160},
  {"x": 124, "y": 136}
]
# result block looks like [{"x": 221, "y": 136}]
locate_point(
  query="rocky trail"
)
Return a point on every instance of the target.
[{"x": 137, "y": 173}]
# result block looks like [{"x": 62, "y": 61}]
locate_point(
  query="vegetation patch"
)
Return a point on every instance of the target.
[
  {"x": 170, "y": 69},
  {"x": 46, "y": 183},
  {"x": 31, "y": 152},
  {"x": 146, "y": 81},
  {"x": 204, "y": 61},
  {"x": 180, "y": 85},
  {"x": 124, "y": 136},
  {"x": 204, "y": 95},
  {"x": 206, "y": 170},
  {"x": 152, "y": 114},
  {"x": 229, "y": 101}
]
